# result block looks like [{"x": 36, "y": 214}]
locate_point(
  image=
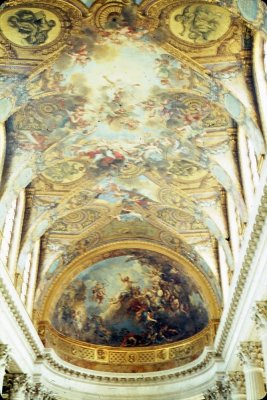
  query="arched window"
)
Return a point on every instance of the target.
[
  {"x": 10, "y": 241},
  {"x": 7, "y": 233},
  {"x": 260, "y": 77}
]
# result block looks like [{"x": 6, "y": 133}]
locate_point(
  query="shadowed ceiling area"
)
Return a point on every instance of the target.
[{"x": 124, "y": 123}]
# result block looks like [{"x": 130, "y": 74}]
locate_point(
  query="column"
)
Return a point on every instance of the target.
[
  {"x": 250, "y": 356},
  {"x": 236, "y": 381},
  {"x": 260, "y": 318},
  {"x": 3, "y": 362},
  {"x": 17, "y": 386}
]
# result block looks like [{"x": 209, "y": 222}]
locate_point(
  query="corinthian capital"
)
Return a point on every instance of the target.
[
  {"x": 4, "y": 352},
  {"x": 38, "y": 391},
  {"x": 19, "y": 382},
  {"x": 250, "y": 353},
  {"x": 220, "y": 391},
  {"x": 16, "y": 384},
  {"x": 236, "y": 380},
  {"x": 260, "y": 314}
]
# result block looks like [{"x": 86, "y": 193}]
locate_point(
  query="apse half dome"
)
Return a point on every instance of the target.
[{"x": 131, "y": 298}]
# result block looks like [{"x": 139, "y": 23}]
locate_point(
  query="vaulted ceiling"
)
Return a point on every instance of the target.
[{"x": 121, "y": 122}]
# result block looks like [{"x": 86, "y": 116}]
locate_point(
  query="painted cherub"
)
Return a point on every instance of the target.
[
  {"x": 99, "y": 293},
  {"x": 127, "y": 281}
]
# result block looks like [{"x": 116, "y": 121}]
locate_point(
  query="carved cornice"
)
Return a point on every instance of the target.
[
  {"x": 244, "y": 271},
  {"x": 236, "y": 380},
  {"x": 260, "y": 314},
  {"x": 250, "y": 353}
]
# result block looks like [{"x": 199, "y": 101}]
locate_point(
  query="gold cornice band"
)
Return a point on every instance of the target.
[{"x": 125, "y": 359}]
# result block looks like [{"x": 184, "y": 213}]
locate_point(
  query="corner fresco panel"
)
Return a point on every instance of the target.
[{"x": 28, "y": 27}]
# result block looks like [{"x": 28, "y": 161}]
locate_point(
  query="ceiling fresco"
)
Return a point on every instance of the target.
[
  {"x": 109, "y": 144},
  {"x": 123, "y": 118},
  {"x": 131, "y": 299}
]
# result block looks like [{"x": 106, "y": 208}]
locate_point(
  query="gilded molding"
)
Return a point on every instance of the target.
[
  {"x": 114, "y": 358},
  {"x": 203, "y": 364}
]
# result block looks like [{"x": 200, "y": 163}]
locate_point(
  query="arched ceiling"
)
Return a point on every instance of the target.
[{"x": 121, "y": 121}]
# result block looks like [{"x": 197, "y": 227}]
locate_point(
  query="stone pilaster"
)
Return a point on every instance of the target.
[
  {"x": 260, "y": 318},
  {"x": 3, "y": 362},
  {"x": 237, "y": 384},
  {"x": 250, "y": 355}
]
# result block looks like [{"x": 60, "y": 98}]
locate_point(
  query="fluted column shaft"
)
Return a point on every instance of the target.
[
  {"x": 250, "y": 355},
  {"x": 255, "y": 388},
  {"x": 238, "y": 396}
]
